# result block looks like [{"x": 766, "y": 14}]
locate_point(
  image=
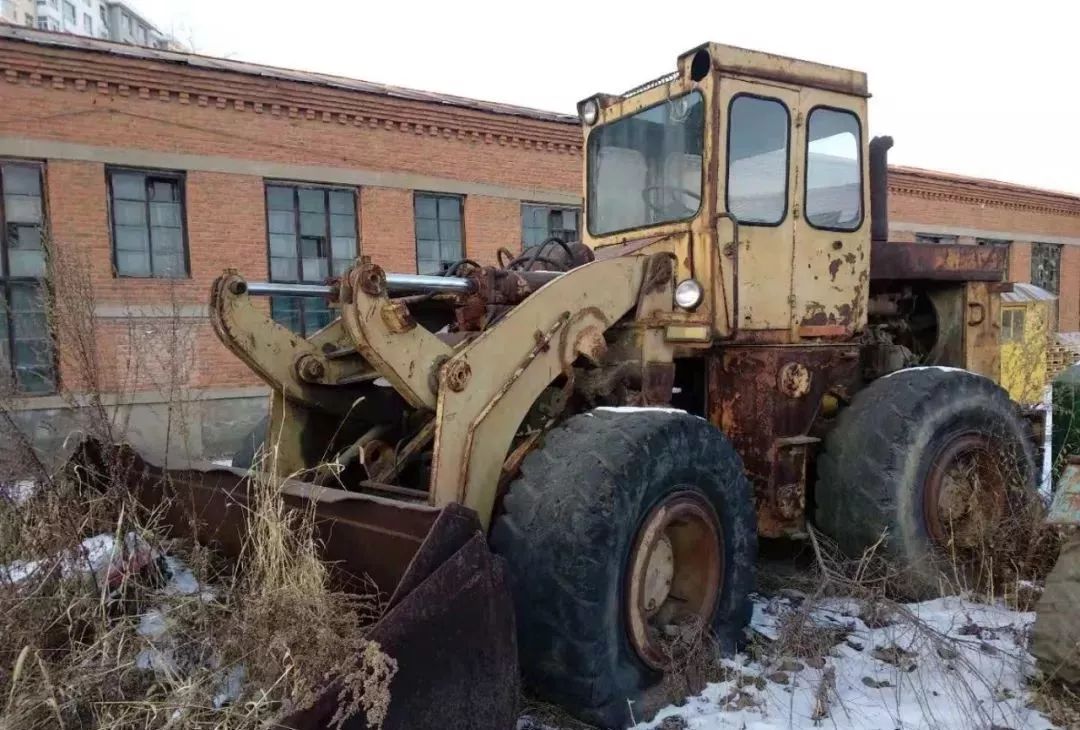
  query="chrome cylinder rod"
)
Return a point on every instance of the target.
[{"x": 394, "y": 283}]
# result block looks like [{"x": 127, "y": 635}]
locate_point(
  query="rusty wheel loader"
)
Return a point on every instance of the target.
[{"x": 586, "y": 442}]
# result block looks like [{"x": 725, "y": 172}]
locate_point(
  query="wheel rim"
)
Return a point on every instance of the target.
[
  {"x": 965, "y": 495},
  {"x": 676, "y": 574}
]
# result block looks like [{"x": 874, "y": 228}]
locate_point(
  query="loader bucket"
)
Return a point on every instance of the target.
[{"x": 449, "y": 619}]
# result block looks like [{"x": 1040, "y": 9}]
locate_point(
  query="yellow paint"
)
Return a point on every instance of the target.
[
  {"x": 687, "y": 333},
  {"x": 1024, "y": 342}
]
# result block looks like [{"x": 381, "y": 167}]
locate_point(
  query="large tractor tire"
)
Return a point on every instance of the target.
[
  {"x": 937, "y": 461},
  {"x": 625, "y": 528}
]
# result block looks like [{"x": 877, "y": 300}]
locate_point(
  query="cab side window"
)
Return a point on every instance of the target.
[
  {"x": 758, "y": 145},
  {"x": 833, "y": 170}
]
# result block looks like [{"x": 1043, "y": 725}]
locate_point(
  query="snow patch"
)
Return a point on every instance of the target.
[
  {"x": 100, "y": 555},
  {"x": 19, "y": 491},
  {"x": 954, "y": 665},
  {"x": 943, "y": 368},
  {"x": 639, "y": 409},
  {"x": 230, "y": 687}
]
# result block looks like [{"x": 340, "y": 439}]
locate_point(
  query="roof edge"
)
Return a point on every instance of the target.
[{"x": 211, "y": 63}]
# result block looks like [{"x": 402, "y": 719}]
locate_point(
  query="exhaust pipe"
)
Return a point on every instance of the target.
[{"x": 879, "y": 188}]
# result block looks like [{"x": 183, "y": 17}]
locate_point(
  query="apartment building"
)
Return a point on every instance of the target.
[
  {"x": 155, "y": 170},
  {"x": 18, "y": 12},
  {"x": 111, "y": 20}
]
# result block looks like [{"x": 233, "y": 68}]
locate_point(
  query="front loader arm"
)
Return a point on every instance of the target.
[
  {"x": 487, "y": 388},
  {"x": 310, "y": 372}
]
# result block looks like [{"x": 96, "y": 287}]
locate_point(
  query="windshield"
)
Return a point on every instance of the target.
[{"x": 646, "y": 169}]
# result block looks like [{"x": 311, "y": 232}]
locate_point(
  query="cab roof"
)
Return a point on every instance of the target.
[{"x": 771, "y": 67}]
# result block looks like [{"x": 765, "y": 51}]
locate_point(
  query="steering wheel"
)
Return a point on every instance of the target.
[{"x": 669, "y": 205}]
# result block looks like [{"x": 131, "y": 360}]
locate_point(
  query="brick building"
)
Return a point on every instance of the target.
[{"x": 149, "y": 172}]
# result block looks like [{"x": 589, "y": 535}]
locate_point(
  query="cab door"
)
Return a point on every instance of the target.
[
  {"x": 757, "y": 185},
  {"x": 830, "y": 283}
]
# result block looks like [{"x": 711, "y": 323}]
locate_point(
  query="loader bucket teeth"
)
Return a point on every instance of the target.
[{"x": 449, "y": 620}]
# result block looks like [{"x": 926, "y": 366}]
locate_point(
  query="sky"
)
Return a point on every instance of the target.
[{"x": 977, "y": 88}]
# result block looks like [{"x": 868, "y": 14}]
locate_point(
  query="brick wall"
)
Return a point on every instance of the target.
[
  {"x": 923, "y": 201},
  {"x": 93, "y": 106},
  {"x": 99, "y": 102},
  {"x": 1069, "y": 300}
]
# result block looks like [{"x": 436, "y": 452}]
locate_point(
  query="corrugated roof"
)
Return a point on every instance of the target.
[
  {"x": 1022, "y": 293},
  {"x": 94, "y": 45}
]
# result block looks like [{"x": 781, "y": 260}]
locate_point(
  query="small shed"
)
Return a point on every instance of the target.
[{"x": 1026, "y": 315}]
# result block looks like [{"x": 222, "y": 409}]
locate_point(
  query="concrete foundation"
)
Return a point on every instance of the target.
[{"x": 206, "y": 424}]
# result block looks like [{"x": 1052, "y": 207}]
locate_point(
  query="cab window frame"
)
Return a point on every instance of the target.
[
  {"x": 859, "y": 166},
  {"x": 589, "y": 172},
  {"x": 787, "y": 162}
]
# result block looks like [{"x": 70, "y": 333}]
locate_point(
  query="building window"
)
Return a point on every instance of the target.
[
  {"x": 147, "y": 216},
  {"x": 1046, "y": 266},
  {"x": 28, "y": 19},
  {"x": 935, "y": 238},
  {"x": 104, "y": 16},
  {"x": 439, "y": 232},
  {"x": 541, "y": 222},
  {"x": 26, "y": 351},
  {"x": 757, "y": 178},
  {"x": 43, "y": 23},
  {"x": 129, "y": 24},
  {"x": 1012, "y": 325},
  {"x": 88, "y": 23},
  {"x": 312, "y": 236},
  {"x": 69, "y": 13}
]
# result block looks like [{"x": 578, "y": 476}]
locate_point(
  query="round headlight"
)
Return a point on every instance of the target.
[
  {"x": 590, "y": 112},
  {"x": 688, "y": 294}
]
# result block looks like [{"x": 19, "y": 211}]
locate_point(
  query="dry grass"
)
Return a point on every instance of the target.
[
  {"x": 134, "y": 640},
  {"x": 257, "y": 640}
]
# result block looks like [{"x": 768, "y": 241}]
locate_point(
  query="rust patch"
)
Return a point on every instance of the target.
[
  {"x": 938, "y": 261},
  {"x": 794, "y": 380},
  {"x": 834, "y": 268},
  {"x": 773, "y": 432},
  {"x": 456, "y": 375},
  {"x": 591, "y": 344},
  {"x": 397, "y": 317},
  {"x": 658, "y": 274},
  {"x": 657, "y": 379},
  {"x": 372, "y": 279}
]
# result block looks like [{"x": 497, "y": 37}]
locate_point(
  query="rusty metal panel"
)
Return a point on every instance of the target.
[
  {"x": 362, "y": 536},
  {"x": 766, "y": 399},
  {"x": 938, "y": 262},
  {"x": 830, "y": 277},
  {"x": 450, "y": 627},
  {"x": 982, "y": 330},
  {"x": 1065, "y": 509},
  {"x": 762, "y": 258}
]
